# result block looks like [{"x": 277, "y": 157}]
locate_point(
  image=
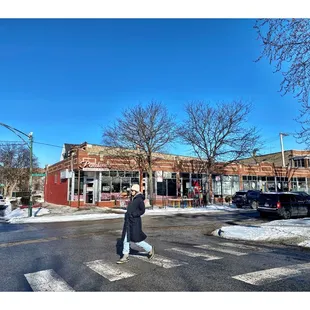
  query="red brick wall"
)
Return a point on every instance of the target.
[{"x": 56, "y": 192}]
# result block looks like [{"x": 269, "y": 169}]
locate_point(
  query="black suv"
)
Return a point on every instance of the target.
[
  {"x": 252, "y": 197},
  {"x": 283, "y": 204},
  {"x": 243, "y": 198}
]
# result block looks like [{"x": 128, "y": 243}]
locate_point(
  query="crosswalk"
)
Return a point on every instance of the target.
[{"x": 49, "y": 280}]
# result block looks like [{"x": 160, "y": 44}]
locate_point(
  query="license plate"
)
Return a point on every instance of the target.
[{"x": 266, "y": 204}]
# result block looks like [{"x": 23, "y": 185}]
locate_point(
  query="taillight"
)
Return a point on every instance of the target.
[{"x": 278, "y": 205}]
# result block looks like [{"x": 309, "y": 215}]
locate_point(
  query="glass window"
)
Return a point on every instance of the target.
[
  {"x": 116, "y": 185},
  {"x": 135, "y": 174},
  {"x": 105, "y": 173},
  {"x": 113, "y": 173},
  {"x": 125, "y": 184}
]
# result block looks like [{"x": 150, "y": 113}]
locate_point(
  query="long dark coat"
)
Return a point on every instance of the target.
[{"x": 132, "y": 222}]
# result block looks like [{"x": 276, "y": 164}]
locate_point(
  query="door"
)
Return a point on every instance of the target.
[{"x": 89, "y": 190}]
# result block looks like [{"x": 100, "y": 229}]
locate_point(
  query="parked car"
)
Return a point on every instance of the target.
[
  {"x": 239, "y": 198},
  {"x": 302, "y": 194},
  {"x": 283, "y": 204},
  {"x": 246, "y": 198},
  {"x": 252, "y": 198},
  {"x": 2, "y": 203}
]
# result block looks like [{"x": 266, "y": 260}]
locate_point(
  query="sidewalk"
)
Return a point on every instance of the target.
[{"x": 55, "y": 213}]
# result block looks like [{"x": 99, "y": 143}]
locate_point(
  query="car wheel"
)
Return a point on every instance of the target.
[
  {"x": 254, "y": 205},
  {"x": 287, "y": 214}
]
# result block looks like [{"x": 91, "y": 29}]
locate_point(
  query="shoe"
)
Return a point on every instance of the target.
[
  {"x": 123, "y": 260},
  {"x": 151, "y": 254}
]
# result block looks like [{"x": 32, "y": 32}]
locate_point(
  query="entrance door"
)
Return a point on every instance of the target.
[{"x": 89, "y": 190}]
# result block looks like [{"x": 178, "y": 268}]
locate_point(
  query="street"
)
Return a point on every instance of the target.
[{"x": 81, "y": 256}]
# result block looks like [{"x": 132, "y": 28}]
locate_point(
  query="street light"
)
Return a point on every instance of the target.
[{"x": 30, "y": 146}]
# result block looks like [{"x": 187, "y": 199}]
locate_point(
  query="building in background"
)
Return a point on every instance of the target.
[{"x": 89, "y": 174}]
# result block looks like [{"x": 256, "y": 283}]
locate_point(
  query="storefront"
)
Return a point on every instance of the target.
[{"x": 87, "y": 175}]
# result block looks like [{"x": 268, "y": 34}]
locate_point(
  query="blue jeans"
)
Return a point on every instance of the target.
[{"x": 144, "y": 245}]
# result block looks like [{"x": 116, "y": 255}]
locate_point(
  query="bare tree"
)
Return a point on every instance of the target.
[
  {"x": 15, "y": 166},
  {"x": 141, "y": 132},
  {"x": 286, "y": 43},
  {"x": 218, "y": 134}
]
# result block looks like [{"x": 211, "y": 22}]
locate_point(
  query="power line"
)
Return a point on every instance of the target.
[
  {"x": 22, "y": 143},
  {"x": 48, "y": 144}
]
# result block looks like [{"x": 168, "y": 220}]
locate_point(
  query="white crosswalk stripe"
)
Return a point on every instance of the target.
[
  {"x": 191, "y": 253},
  {"x": 274, "y": 274},
  {"x": 219, "y": 248},
  {"x": 244, "y": 247},
  {"x": 161, "y": 261},
  {"x": 47, "y": 281},
  {"x": 110, "y": 271}
]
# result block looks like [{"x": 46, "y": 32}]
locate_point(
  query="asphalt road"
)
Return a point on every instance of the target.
[{"x": 81, "y": 256}]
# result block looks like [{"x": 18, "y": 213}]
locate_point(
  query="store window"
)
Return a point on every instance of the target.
[
  {"x": 299, "y": 163},
  {"x": 81, "y": 185},
  {"x": 106, "y": 186}
]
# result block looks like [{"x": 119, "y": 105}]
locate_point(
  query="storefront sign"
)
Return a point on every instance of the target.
[{"x": 87, "y": 166}]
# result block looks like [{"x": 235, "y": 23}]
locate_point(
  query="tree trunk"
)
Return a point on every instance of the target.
[
  {"x": 210, "y": 187},
  {"x": 12, "y": 188}
]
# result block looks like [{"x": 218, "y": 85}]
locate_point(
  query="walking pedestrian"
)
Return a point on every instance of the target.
[{"x": 132, "y": 229}]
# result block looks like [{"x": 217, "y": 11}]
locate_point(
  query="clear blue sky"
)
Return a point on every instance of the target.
[{"x": 65, "y": 79}]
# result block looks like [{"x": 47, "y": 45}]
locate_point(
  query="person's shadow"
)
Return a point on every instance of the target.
[{"x": 119, "y": 249}]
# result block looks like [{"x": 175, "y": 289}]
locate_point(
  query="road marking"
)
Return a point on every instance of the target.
[
  {"x": 47, "y": 281},
  {"x": 195, "y": 254},
  {"x": 270, "y": 275},
  {"x": 245, "y": 247},
  {"x": 108, "y": 270},
  {"x": 219, "y": 249},
  {"x": 161, "y": 261}
]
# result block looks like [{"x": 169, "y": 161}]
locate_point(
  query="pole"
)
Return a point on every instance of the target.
[
  {"x": 30, "y": 179},
  {"x": 282, "y": 149},
  {"x": 79, "y": 175}
]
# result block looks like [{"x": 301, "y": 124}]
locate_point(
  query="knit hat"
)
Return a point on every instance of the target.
[{"x": 135, "y": 187}]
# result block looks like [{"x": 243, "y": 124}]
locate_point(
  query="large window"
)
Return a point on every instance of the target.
[
  {"x": 225, "y": 184},
  {"x": 113, "y": 183},
  {"x": 76, "y": 185}
]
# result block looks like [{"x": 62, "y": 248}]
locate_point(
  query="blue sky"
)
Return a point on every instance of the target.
[{"x": 66, "y": 79}]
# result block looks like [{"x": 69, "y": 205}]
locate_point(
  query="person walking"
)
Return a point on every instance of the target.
[{"x": 132, "y": 229}]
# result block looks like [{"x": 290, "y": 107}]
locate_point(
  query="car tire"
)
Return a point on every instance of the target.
[
  {"x": 287, "y": 214},
  {"x": 254, "y": 205}
]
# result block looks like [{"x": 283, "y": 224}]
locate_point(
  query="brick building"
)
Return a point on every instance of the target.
[{"x": 89, "y": 174}]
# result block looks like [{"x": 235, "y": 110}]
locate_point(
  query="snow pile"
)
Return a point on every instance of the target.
[
  {"x": 296, "y": 231},
  {"x": 68, "y": 218}
]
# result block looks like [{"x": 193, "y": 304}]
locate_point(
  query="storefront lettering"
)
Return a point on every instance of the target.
[{"x": 87, "y": 166}]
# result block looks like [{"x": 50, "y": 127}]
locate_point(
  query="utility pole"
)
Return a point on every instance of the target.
[
  {"x": 282, "y": 149},
  {"x": 30, "y": 178}
]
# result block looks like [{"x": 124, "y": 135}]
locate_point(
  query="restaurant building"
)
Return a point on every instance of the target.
[{"x": 89, "y": 174}]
